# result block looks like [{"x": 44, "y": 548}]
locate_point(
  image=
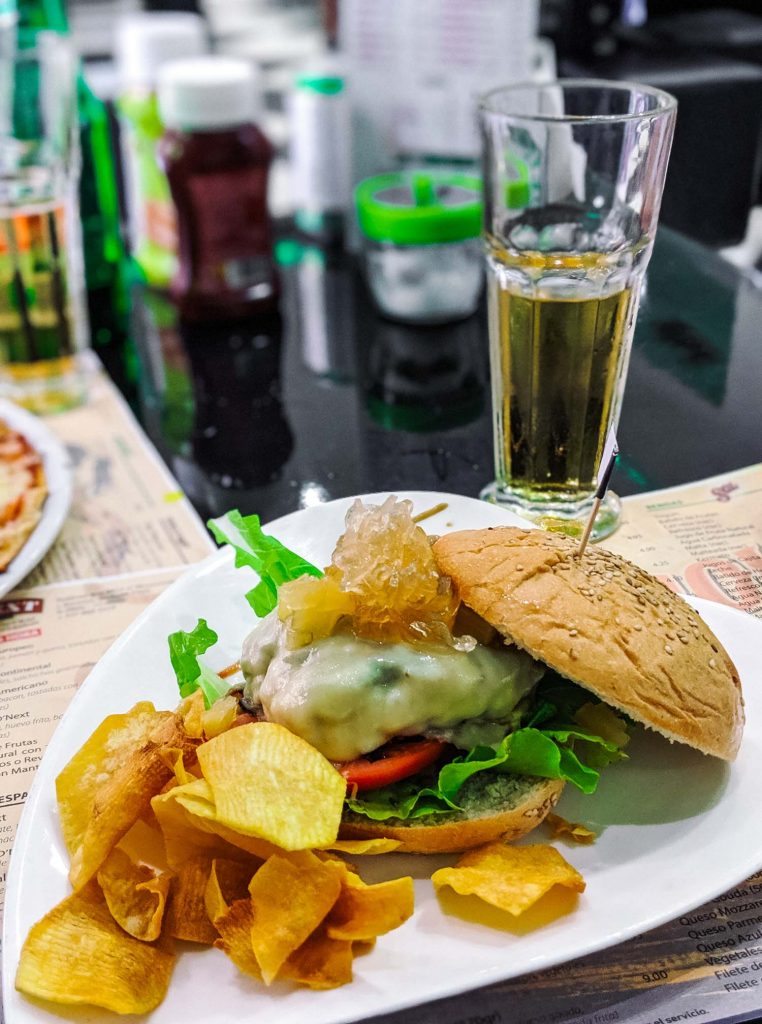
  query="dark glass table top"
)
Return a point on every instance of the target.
[{"x": 326, "y": 398}]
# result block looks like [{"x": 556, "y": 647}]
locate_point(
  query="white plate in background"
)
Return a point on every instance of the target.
[
  {"x": 59, "y": 480},
  {"x": 678, "y": 828}
]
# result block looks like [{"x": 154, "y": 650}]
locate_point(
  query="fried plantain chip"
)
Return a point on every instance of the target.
[
  {"x": 269, "y": 783},
  {"x": 219, "y": 716},
  {"x": 78, "y": 954},
  {"x": 291, "y": 894},
  {"x": 320, "y": 962},
  {"x": 144, "y": 844},
  {"x": 135, "y": 894},
  {"x": 186, "y": 916},
  {"x": 364, "y": 911},
  {"x": 365, "y": 846},
  {"x": 101, "y": 755},
  {"x": 121, "y": 793},
  {"x": 571, "y": 830},
  {"x": 187, "y": 817},
  {"x": 174, "y": 760},
  {"x": 191, "y": 710},
  {"x": 228, "y": 882},
  {"x": 234, "y": 927},
  {"x": 183, "y": 836},
  {"x": 512, "y": 878}
]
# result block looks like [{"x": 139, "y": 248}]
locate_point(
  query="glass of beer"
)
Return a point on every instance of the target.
[
  {"x": 573, "y": 178},
  {"x": 43, "y": 323}
]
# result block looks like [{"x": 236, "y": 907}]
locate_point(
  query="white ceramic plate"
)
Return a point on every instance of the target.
[
  {"x": 56, "y": 507},
  {"x": 679, "y": 827}
]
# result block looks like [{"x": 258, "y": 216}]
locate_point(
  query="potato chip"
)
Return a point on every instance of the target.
[
  {"x": 228, "y": 882},
  {"x": 365, "y": 846},
  {"x": 364, "y": 911},
  {"x": 320, "y": 962},
  {"x": 122, "y": 794},
  {"x": 183, "y": 835},
  {"x": 78, "y": 954},
  {"x": 135, "y": 894},
  {"x": 191, "y": 710},
  {"x": 94, "y": 762},
  {"x": 174, "y": 760},
  {"x": 512, "y": 878},
  {"x": 186, "y": 916},
  {"x": 267, "y": 782},
  {"x": 144, "y": 844},
  {"x": 187, "y": 816},
  {"x": 234, "y": 927},
  {"x": 571, "y": 830},
  {"x": 290, "y": 895},
  {"x": 219, "y": 716}
]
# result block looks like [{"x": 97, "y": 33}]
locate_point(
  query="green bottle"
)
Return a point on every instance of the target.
[{"x": 106, "y": 266}]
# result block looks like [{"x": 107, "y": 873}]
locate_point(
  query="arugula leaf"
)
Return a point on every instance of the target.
[
  {"x": 546, "y": 753},
  {"x": 273, "y": 562},
  {"x": 184, "y": 651}
]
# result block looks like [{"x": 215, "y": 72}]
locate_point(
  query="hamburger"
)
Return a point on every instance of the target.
[{"x": 459, "y": 684}]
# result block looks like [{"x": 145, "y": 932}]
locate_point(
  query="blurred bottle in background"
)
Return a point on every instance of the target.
[
  {"x": 144, "y": 43},
  {"x": 320, "y": 149},
  {"x": 217, "y": 162}
]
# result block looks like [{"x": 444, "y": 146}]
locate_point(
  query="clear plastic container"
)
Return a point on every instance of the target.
[{"x": 422, "y": 248}]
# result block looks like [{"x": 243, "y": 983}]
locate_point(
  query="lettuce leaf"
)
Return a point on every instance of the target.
[
  {"x": 192, "y": 675},
  {"x": 547, "y": 753},
  {"x": 273, "y": 562}
]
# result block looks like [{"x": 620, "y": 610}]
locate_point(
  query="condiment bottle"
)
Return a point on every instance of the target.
[
  {"x": 217, "y": 162},
  {"x": 145, "y": 41}
]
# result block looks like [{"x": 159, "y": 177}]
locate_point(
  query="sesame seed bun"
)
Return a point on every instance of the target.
[{"x": 605, "y": 624}]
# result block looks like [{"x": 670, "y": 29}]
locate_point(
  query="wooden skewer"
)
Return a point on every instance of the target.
[{"x": 588, "y": 528}]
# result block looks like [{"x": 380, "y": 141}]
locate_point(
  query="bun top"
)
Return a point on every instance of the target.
[{"x": 606, "y": 624}]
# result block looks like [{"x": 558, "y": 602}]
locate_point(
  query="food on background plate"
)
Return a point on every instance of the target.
[
  {"x": 416, "y": 695},
  {"x": 23, "y": 490}
]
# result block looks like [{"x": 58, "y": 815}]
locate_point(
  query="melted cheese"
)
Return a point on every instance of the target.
[{"x": 347, "y": 696}]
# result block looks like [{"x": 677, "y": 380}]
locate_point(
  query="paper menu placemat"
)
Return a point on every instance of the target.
[
  {"x": 129, "y": 534},
  {"x": 706, "y": 966},
  {"x": 703, "y": 539},
  {"x": 128, "y": 513}
]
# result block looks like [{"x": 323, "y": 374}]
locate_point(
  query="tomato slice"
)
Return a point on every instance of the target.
[{"x": 394, "y": 761}]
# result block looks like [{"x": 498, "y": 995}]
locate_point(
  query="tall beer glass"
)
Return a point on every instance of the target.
[{"x": 573, "y": 179}]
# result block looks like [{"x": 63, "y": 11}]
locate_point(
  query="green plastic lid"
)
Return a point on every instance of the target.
[
  {"x": 420, "y": 208},
  {"x": 326, "y": 85}
]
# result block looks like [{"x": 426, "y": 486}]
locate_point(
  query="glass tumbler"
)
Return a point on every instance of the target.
[
  {"x": 43, "y": 323},
  {"x": 573, "y": 178}
]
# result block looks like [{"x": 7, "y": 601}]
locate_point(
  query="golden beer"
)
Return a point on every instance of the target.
[{"x": 560, "y": 330}]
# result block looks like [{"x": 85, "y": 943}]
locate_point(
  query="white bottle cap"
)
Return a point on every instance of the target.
[
  {"x": 146, "y": 40},
  {"x": 208, "y": 93}
]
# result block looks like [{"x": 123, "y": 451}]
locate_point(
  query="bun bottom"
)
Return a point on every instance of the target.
[{"x": 525, "y": 802}]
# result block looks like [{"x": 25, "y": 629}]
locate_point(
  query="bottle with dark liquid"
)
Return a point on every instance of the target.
[{"x": 217, "y": 162}]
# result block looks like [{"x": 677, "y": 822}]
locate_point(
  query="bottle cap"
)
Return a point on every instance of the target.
[
  {"x": 208, "y": 93},
  {"x": 147, "y": 40},
  {"x": 420, "y": 208}
]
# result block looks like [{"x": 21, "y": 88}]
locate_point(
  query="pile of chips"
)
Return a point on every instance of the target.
[
  {"x": 184, "y": 825},
  {"x": 181, "y": 827}
]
